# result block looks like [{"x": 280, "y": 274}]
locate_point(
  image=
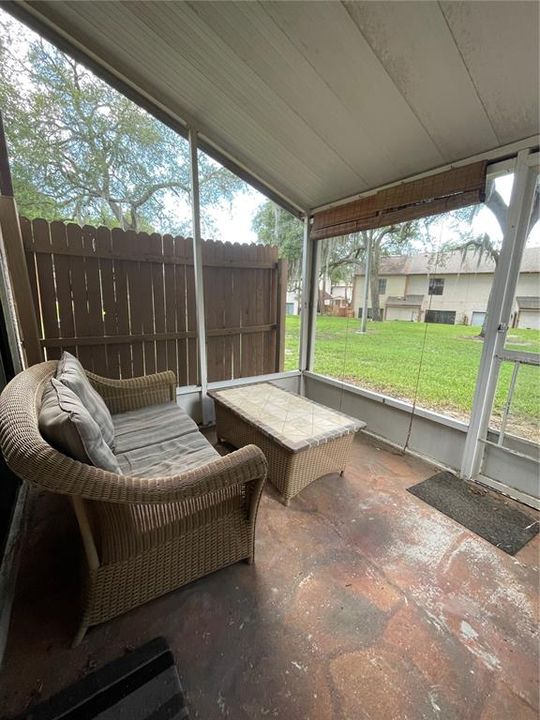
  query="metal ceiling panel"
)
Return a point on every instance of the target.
[
  {"x": 321, "y": 100},
  {"x": 499, "y": 44},
  {"x": 412, "y": 41},
  {"x": 333, "y": 45}
]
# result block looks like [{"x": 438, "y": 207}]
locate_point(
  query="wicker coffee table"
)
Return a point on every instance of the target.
[{"x": 301, "y": 439}]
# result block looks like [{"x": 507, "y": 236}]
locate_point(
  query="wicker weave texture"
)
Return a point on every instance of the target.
[
  {"x": 142, "y": 537},
  {"x": 115, "y": 588},
  {"x": 134, "y": 393},
  {"x": 290, "y": 472}
]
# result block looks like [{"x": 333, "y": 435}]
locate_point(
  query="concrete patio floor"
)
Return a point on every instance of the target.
[{"x": 364, "y": 603}]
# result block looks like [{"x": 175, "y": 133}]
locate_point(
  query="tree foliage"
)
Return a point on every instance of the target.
[
  {"x": 275, "y": 226},
  {"x": 81, "y": 151},
  {"x": 481, "y": 244}
]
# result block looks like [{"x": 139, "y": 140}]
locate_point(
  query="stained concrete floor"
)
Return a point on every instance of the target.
[{"x": 364, "y": 603}]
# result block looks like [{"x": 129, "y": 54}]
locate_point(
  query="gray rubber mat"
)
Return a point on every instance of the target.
[
  {"x": 491, "y": 518},
  {"x": 142, "y": 685}
]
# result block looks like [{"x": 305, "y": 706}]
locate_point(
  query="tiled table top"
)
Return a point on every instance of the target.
[{"x": 291, "y": 420}]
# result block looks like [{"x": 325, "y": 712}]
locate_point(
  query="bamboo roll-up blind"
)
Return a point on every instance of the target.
[{"x": 431, "y": 195}]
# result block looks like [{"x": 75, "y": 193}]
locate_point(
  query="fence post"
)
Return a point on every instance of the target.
[
  {"x": 281, "y": 300},
  {"x": 12, "y": 247}
]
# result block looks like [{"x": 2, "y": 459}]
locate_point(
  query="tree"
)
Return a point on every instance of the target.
[
  {"x": 384, "y": 241},
  {"x": 275, "y": 226},
  {"x": 82, "y": 151}
]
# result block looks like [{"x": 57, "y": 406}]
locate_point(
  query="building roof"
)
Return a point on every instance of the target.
[
  {"x": 321, "y": 100},
  {"x": 528, "y": 302},
  {"x": 408, "y": 300},
  {"x": 451, "y": 263}
]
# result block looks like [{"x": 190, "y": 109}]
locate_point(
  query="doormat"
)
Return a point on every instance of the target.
[
  {"x": 142, "y": 685},
  {"x": 490, "y": 517}
]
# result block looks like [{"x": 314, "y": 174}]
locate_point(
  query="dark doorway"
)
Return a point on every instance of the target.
[
  {"x": 370, "y": 313},
  {"x": 444, "y": 317}
]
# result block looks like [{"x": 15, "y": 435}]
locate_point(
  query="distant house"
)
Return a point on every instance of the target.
[
  {"x": 336, "y": 302},
  {"x": 325, "y": 301},
  {"x": 340, "y": 299},
  {"x": 449, "y": 288},
  {"x": 292, "y": 303}
]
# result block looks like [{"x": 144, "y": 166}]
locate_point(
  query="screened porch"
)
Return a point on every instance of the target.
[{"x": 364, "y": 601}]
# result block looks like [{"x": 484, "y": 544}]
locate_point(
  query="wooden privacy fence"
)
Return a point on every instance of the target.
[{"x": 124, "y": 302}]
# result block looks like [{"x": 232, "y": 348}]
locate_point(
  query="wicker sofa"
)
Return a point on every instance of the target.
[{"x": 143, "y": 536}]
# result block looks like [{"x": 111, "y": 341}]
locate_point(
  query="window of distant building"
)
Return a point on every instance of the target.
[
  {"x": 436, "y": 286},
  {"x": 382, "y": 286}
]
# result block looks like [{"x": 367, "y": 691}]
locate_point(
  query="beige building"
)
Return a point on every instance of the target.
[{"x": 449, "y": 288}]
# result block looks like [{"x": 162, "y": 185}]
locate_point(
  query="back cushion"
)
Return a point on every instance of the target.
[
  {"x": 67, "y": 425},
  {"x": 71, "y": 373}
]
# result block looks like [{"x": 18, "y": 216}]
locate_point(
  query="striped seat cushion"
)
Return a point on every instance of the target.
[
  {"x": 150, "y": 425},
  {"x": 170, "y": 457}
]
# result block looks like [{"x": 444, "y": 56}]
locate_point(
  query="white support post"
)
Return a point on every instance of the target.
[
  {"x": 314, "y": 300},
  {"x": 198, "y": 272},
  {"x": 498, "y": 313},
  {"x": 303, "y": 359},
  {"x": 365, "y": 304}
]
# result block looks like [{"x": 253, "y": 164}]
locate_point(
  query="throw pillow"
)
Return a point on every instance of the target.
[
  {"x": 71, "y": 373},
  {"x": 66, "y": 424}
]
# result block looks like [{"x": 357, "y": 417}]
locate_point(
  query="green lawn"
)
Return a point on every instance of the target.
[{"x": 387, "y": 359}]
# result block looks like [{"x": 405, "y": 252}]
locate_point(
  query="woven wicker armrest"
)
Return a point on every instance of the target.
[
  {"x": 238, "y": 468},
  {"x": 134, "y": 393}
]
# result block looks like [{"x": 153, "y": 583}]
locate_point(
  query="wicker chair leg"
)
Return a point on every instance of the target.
[{"x": 81, "y": 632}]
